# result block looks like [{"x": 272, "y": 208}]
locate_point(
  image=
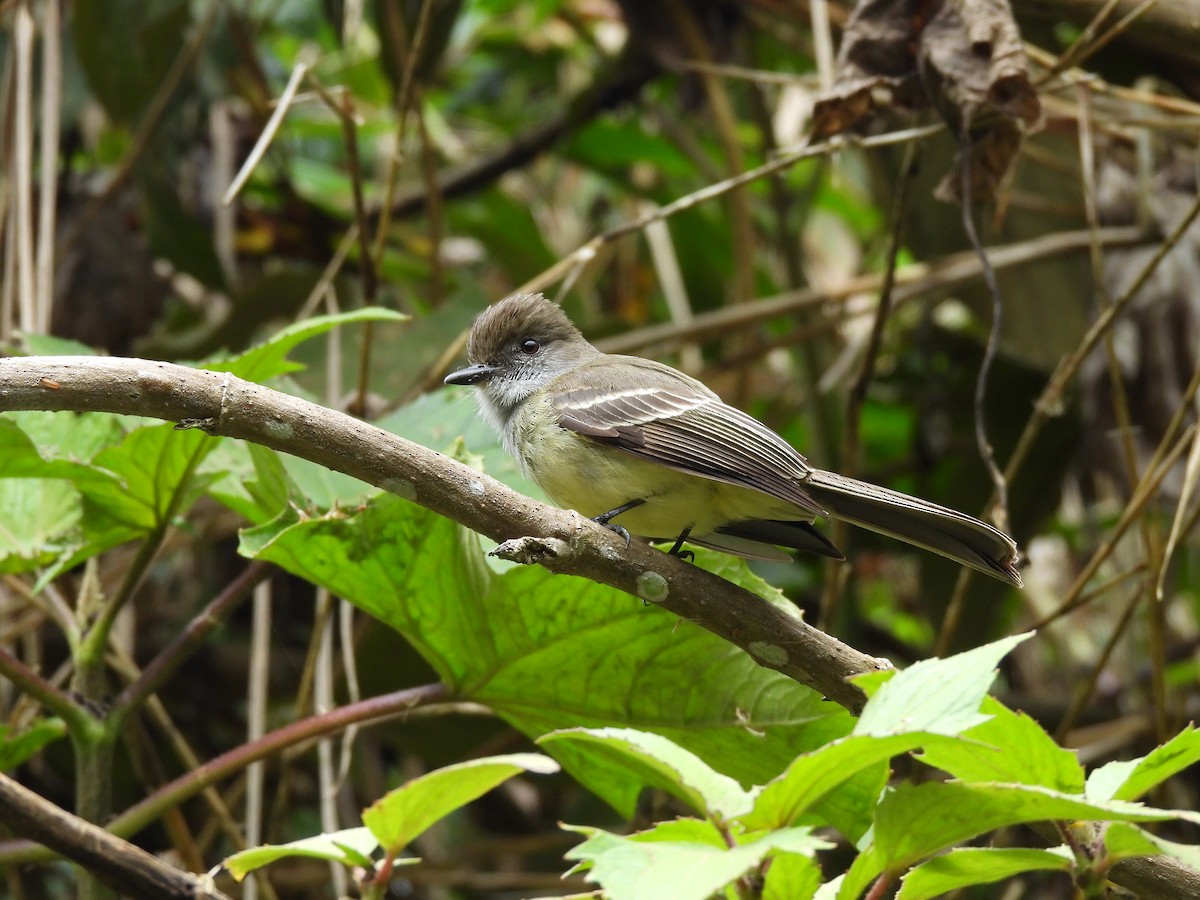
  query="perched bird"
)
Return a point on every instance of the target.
[{"x": 644, "y": 449}]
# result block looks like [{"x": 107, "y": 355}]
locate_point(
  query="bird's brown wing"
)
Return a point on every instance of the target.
[{"x": 660, "y": 415}]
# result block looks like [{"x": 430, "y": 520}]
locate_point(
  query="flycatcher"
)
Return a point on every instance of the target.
[{"x": 632, "y": 440}]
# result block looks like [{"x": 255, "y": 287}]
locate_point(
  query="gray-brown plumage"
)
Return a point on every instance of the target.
[{"x": 600, "y": 432}]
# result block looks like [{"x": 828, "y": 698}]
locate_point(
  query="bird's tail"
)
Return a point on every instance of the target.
[{"x": 935, "y": 528}]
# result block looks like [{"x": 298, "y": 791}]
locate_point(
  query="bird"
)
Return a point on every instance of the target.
[{"x": 648, "y": 451}]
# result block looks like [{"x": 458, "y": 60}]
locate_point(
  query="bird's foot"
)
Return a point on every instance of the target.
[
  {"x": 618, "y": 531},
  {"x": 605, "y": 519},
  {"x": 676, "y": 549}
]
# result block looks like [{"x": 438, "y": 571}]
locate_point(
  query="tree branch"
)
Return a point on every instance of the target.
[
  {"x": 565, "y": 542},
  {"x": 562, "y": 541},
  {"x": 126, "y": 868}
]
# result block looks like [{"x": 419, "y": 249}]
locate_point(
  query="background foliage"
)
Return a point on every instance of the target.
[{"x": 434, "y": 156}]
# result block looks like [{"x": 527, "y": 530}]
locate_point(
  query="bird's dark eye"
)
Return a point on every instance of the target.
[{"x": 529, "y": 346}]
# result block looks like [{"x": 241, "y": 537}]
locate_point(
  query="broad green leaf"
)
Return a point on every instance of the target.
[
  {"x": 548, "y": 651},
  {"x": 687, "y": 830},
  {"x": 39, "y": 522},
  {"x": 791, "y": 876},
  {"x": 1128, "y": 780},
  {"x": 350, "y": 846},
  {"x": 436, "y": 419},
  {"x": 402, "y": 814},
  {"x": 813, "y": 775},
  {"x": 940, "y": 696},
  {"x": 49, "y": 345},
  {"x": 645, "y": 865},
  {"x": 664, "y": 764},
  {"x": 609, "y": 146},
  {"x": 1009, "y": 747},
  {"x": 269, "y": 359},
  {"x": 917, "y": 821},
  {"x": 966, "y": 866},
  {"x": 255, "y": 482},
  {"x": 86, "y": 485},
  {"x": 15, "y": 749},
  {"x": 154, "y": 480},
  {"x": 39, "y": 444}
]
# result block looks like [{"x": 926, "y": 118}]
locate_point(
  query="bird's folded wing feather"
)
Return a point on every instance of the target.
[{"x": 667, "y": 418}]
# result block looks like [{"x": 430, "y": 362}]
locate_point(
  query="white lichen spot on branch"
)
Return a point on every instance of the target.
[
  {"x": 769, "y": 654},
  {"x": 652, "y": 587}
]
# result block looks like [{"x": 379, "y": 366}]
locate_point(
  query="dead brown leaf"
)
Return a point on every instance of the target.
[{"x": 963, "y": 57}]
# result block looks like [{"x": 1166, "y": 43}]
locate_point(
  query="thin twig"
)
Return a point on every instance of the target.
[
  {"x": 259, "y": 150},
  {"x": 48, "y": 159},
  {"x": 190, "y": 639}
]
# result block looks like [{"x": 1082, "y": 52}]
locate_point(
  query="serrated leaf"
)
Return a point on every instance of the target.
[
  {"x": 154, "y": 480},
  {"x": 269, "y": 358},
  {"x": 966, "y": 866},
  {"x": 350, "y": 846},
  {"x": 39, "y": 518},
  {"x": 791, "y": 877},
  {"x": 813, "y": 775},
  {"x": 646, "y": 865},
  {"x": 1128, "y": 780},
  {"x": 940, "y": 696},
  {"x": 1009, "y": 747},
  {"x": 666, "y": 765},
  {"x": 403, "y": 814},
  {"x": 917, "y": 821}
]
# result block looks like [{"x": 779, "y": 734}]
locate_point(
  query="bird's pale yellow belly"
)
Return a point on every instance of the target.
[{"x": 582, "y": 474}]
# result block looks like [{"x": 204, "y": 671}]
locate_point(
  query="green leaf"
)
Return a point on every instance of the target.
[
  {"x": 916, "y": 821},
  {"x": 966, "y": 866},
  {"x": 851, "y": 885},
  {"x": 610, "y": 146},
  {"x": 664, "y": 764},
  {"x": 791, "y": 876},
  {"x": 39, "y": 517},
  {"x": 940, "y": 696},
  {"x": 15, "y": 749},
  {"x": 548, "y": 652},
  {"x": 1128, "y": 780},
  {"x": 402, "y": 814},
  {"x": 648, "y": 865},
  {"x": 53, "y": 444},
  {"x": 812, "y": 776},
  {"x": 1009, "y": 747},
  {"x": 270, "y": 358},
  {"x": 436, "y": 419},
  {"x": 49, "y": 345},
  {"x": 85, "y": 485},
  {"x": 154, "y": 480},
  {"x": 350, "y": 846}
]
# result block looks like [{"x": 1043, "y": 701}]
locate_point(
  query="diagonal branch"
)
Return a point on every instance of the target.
[
  {"x": 565, "y": 542},
  {"x": 119, "y": 864}
]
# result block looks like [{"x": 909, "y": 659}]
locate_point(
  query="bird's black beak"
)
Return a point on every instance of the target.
[{"x": 471, "y": 374}]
